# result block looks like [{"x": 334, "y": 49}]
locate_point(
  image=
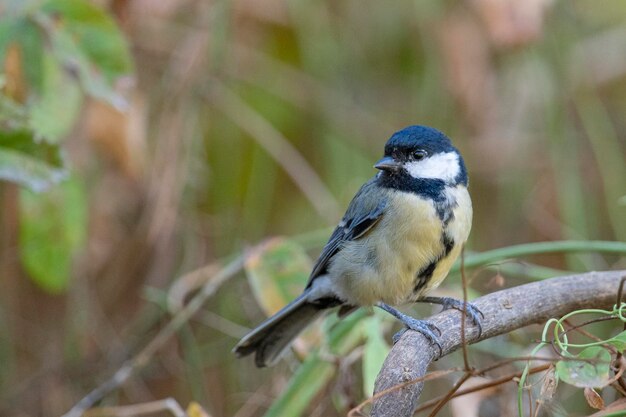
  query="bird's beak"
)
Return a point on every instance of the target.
[{"x": 388, "y": 164}]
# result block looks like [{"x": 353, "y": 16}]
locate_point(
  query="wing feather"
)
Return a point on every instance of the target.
[{"x": 362, "y": 215}]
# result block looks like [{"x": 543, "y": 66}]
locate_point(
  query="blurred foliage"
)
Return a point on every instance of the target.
[
  {"x": 52, "y": 227},
  {"x": 55, "y": 52},
  {"x": 247, "y": 119},
  {"x": 277, "y": 272},
  {"x": 52, "y": 49}
]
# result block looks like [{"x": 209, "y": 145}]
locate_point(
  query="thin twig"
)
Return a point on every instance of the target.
[
  {"x": 486, "y": 385},
  {"x": 503, "y": 311},
  {"x": 530, "y": 402},
  {"x": 619, "y": 383},
  {"x": 468, "y": 370},
  {"x": 578, "y": 327},
  {"x": 450, "y": 394},
  {"x": 145, "y": 355},
  {"x": 428, "y": 377},
  {"x": 152, "y": 407},
  {"x": 438, "y": 374},
  {"x": 509, "y": 361},
  {"x": 464, "y": 312},
  {"x": 618, "y": 357}
]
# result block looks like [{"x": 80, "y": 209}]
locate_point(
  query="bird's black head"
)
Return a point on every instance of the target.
[
  {"x": 418, "y": 154},
  {"x": 414, "y": 138}
]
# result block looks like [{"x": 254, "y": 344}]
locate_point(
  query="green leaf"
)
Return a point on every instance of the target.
[
  {"x": 29, "y": 164},
  {"x": 95, "y": 33},
  {"x": 315, "y": 373},
  {"x": 76, "y": 62},
  {"x": 52, "y": 227},
  {"x": 376, "y": 350},
  {"x": 527, "y": 249},
  {"x": 618, "y": 341},
  {"x": 13, "y": 116},
  {"x": 53, "y": 115},
  {"x": 310, "y": 378},
  {"x": 592, "y": 373},
  {"x": 277, "y": 270}
]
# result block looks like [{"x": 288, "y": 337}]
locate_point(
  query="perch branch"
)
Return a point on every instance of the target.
[{"x": 504, "y": 311}]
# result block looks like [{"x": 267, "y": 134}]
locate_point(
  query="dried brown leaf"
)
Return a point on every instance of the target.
[
  {"x": 618, "y": 405},
  {"x": 497, "y": 281},
  {"x": 594, "y": 399},
  {"x": 548, "y": 388}
]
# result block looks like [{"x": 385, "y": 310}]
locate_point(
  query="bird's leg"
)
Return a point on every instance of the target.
[
  {"x": 448, "y": 302},
  {"x": 422, "y": 326}
]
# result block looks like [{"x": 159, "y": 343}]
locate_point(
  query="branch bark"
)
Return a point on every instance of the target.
[{"x": 504, "y": 311}]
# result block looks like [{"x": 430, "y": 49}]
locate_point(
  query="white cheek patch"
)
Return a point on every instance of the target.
[{"x": 443, "y": 166}]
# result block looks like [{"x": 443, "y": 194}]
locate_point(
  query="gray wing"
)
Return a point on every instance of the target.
[{"x": 362, "y": 215}]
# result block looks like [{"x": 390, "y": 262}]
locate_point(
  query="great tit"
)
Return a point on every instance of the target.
[{"x": 401, "y": 234}]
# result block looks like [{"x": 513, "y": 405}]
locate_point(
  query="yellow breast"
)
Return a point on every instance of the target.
[{"x": 385, "y": 264}]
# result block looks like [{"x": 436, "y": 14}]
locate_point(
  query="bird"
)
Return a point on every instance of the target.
[{"x": 397, "y": 241}]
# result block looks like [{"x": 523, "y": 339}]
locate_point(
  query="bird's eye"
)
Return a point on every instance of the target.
[{"x": 419, "y": 154}]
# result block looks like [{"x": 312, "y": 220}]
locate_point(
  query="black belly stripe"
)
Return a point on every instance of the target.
[
  {"x": 448, "y": 244},
  {"x": 425, "y": 274},
  {"x": 421, "y": 281}
]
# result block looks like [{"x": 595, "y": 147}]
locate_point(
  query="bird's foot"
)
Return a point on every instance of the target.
[
  {"x": 422, "y": 326},
  {"x": 427, "y": 329},
  {"x": 474, "y": 314}
]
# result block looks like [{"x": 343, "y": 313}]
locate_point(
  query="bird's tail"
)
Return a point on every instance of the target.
[{"x": 273, "y": 336}]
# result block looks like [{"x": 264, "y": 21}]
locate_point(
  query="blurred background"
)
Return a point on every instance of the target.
[{"x": 146, "y": 144}]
